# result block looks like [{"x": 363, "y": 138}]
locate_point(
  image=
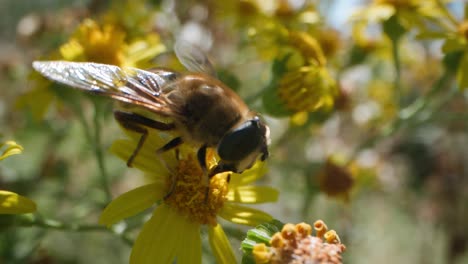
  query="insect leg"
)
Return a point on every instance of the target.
[
  {"x": 201, "y": 156},
  {"x": 139, "y": 124},
  {"x": 170, "y": 145}
]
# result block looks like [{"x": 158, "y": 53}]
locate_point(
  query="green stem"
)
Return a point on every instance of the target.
[
  {"x": 86, "y": 128},
  {"x": 307, "y": 197},
  {"x": 27, "y": 221},
  {"x": 94, "y": 140},
  {"x": 99, "y": 153},
  {"x": 397, "y": 65}
]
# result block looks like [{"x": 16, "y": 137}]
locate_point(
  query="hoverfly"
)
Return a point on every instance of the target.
[{"x": 205, "y": 112}]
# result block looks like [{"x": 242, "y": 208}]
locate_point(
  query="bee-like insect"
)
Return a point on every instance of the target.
[{"x": 201, "y": 108}]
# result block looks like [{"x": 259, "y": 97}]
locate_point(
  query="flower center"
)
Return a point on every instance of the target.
[
  {"x": 192, "y": 197},
  {"x": 307, "y": 89}
]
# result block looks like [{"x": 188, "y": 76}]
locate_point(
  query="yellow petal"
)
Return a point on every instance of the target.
[
  {"x": 220, "y": 245},
  {"x": 131, "y": 203},
  {"x": 162, "y": 237},
  {"x": 248, "y": 176},
  {"x": 11, "y": 149},
  {"x": 253, "y": 194},
  {"x": 190, "y": 249},
  {"x": 12, "y": 203},
  {"x": 244, "y": 215},
  {"x": 146, "y": 160}
]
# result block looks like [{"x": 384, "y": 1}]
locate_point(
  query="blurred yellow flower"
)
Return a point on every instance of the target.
[
  {"x": 308, "y": 88},
  {"x": 410, "y": 11},
  {"x": 12, "y": 203},
  {"x": 268, "y": 36},
  {"x": 383, "y": 94},
  {"x": 96, "y": 43},
  {"x": 308, "y": 46},
  {"x": 107, "y": 44},
  {"x": 173, "y": 232},
  {"x": 9, "y": 148}
]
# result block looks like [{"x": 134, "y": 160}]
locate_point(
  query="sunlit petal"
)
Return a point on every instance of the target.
[
  {"x": 244, "y": 215},
  {"x": 146, "y": 160},
  {"x": 189, "y": 249},
  {"x": 220, "y": 245},
  {"x": 162, "y": 238},
  {"x": 12, "y": 203},
  {"x": 253, "y": 194},
  {"x": 131, "y": 203},
  {"x": 256, "y": 172}
]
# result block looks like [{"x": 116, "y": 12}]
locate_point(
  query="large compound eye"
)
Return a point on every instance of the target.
[{"x": 241, "y": 142}]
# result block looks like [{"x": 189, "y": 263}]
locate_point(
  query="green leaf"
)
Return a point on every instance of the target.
[
  {"x": 465, "y": 13},
  {"x": 462, "y": 74},
  {"x": 452, "y": 60},
  {"x": 426, "y": 35},
  {"x": 393, "y": 28},
  {"x": 357, "y": 55},
  {"x": 452, "y": 44},
  {"x": 271, "y": 101},
  {"x": 260, "y": 234},
  {"x": 229, "y": 79}
]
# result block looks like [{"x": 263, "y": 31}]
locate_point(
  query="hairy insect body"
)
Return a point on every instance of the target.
[{"x": 205, "y": 109}]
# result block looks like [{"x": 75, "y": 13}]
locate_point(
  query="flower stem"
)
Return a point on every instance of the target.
[
  {"x": 99, "y": 153},
  {"x": 94, "y": 139},
  {"x": 397, "y": 65},
  {"x": 28, "y": 221}
]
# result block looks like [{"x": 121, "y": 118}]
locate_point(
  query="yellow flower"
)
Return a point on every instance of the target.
[
  {"x": 173, "y": 231},
  {"x": 107, "y": 43},
  {"x": 93, "y": 42},
  {"x": 308, "y": 88},
  {"x": 12, "y": 203},
  {"x": 296, "y": 244},
  {"x": 410, "y": 11}
]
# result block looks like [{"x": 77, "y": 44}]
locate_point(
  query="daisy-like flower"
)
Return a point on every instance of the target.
[
  {"x": 107, "y": 43},
  {"x": 184, "y": 205},
  {"x": 302, "y": 81},
  {"x": 294, "y": 244}
]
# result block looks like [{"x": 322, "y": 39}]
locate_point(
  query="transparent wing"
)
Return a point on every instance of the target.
[
  {"x": 193, "y": 58},
  {"x": 129, "y": 85}
]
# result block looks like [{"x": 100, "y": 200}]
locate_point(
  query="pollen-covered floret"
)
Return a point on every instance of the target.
[{"x": 295, "y": 244}]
